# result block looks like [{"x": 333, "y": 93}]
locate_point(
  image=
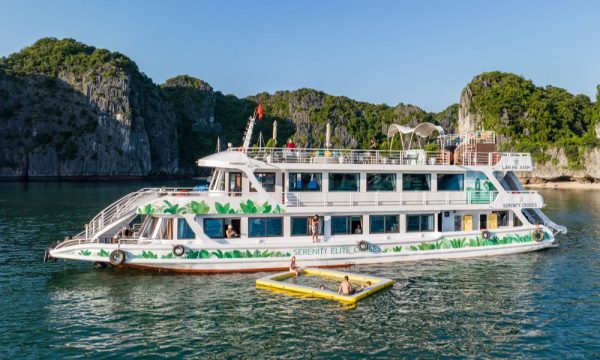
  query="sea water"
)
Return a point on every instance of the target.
[{"x": 534, "y": 305}]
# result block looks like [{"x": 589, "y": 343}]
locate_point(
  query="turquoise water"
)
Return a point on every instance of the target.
[{"x": 544, "y": 304}]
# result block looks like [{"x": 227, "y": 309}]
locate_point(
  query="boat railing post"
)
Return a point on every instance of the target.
[
  {"x": 351, "y": 199},
  {"x": 424, "y": 198},
  {"x": 86, "y": 230},
  {"x": 490, "y": 159},
  {"x": 377, "y": 198},
  {"x": 447, "y": 198}
]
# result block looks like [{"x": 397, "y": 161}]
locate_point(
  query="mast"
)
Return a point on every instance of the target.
[{"x": 249, "y": 129}]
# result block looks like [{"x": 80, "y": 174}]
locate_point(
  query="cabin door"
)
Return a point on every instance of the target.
[
  {"x": 467, "y": 223},
  {"x": 483, "y": 222},
  {"x": 492, "y": 221}
]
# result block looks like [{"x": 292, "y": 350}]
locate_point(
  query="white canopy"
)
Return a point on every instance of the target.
[{"x": 423, "y": 130}]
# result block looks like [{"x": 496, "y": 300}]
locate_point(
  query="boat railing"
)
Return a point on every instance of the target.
[{"x": 369, "y": 157}]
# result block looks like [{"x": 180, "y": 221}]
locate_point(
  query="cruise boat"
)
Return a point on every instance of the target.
[{"x": 459, "y": 199}]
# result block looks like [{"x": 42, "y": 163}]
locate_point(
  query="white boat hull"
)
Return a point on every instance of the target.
[{"x": 264, "y": 258}]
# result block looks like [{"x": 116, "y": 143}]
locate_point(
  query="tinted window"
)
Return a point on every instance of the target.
[
  {"x": 416, "y": 223},
  {"x": 304, "y": 182},
  {"x": 344, "y": 182},
  {"x": 263, "y": 227},
  {"x": 184, "y": 231},
  {"x": 450, "y": 182},
  {"x": 213, "y": 228},
  {"x": 267, "y": 180},
  {"x": 416, "y": 182},
  {"x": 377, "y": 224},
  {"x": 301, "y": 226},
  {"x": 346, "y": 225},
  {"x": 381, "y": 182}
]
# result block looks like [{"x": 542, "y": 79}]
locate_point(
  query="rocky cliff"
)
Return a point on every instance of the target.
[
  {"x": 68, "y": 109},
  {"x": 71, "y": 110},
  {"x": 560, "y": 130}
]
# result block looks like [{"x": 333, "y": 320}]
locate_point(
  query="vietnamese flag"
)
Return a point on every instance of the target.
[{"x": 259, "y": 111}]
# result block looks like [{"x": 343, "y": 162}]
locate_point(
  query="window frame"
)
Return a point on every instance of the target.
[
  {"x": 385, "y": 221},
  {"x": 263, "y": 173},
  {"x": 293, "y": 177},
  {"x": 308, "y": 229},
  {"x": 267, "y": 219},
  {"x": 421, "y": 216},
  {"x": 405, "y": 182},
  {"x": 349, "y": 230},
  {"x": 450, "y": 174},
  {"x": 394, "y": 175},
  {"x": 331, "y": 182}
]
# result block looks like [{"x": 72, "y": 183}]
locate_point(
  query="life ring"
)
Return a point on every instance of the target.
[
  {"x": 178, "y": 250},
  {"x": 538, "y": 234},
  {"x": 363, "y": 245},
  {"x": 117, "y": 257},
  {"x": 486, "y": 235}
]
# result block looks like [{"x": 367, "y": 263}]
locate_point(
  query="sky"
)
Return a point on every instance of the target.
[{"x": 417, "y": 52}]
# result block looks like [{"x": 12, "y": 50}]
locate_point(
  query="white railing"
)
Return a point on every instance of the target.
[{"x": 379, "y": 157}]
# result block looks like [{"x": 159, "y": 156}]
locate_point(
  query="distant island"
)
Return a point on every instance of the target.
[{"x": 70, "y": 110}]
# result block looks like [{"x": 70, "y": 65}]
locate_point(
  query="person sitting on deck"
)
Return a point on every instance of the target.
[
  {"x": 346, "y": 287},
  {"x": 230, "y": 232},
  {"x": 293, "y": 267}
]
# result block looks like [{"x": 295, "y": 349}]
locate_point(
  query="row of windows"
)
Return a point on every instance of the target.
[
  {"x": 375, "y": 182},
  {"x": 300, "y": 226}
]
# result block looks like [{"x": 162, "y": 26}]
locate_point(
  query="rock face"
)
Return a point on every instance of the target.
[
  {"x": 99, "y": 121},
  {"x": 548, "y": 122}
]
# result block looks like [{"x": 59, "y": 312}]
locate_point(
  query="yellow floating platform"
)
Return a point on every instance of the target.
[{"x": 273, "y": 282}]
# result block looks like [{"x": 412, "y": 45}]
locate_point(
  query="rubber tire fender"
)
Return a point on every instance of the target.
[
  {"x": 486, "y": 235},
  {"x": 117, "y": 257},
  {"x": 178, "y": 250},
  {"x": 538, "y": 235},
  {"x": 363, "y": 245}
]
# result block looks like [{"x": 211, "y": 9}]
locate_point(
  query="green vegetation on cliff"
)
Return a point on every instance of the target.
[
  {"x": 50, "y": 56},
  {"x": 531, "y": 118}
]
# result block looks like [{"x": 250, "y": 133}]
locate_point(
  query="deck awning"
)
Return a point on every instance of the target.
[{"x": 423, "y": 130}]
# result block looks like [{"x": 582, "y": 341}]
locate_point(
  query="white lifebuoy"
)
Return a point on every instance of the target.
[
  {"x": 117, "y": 257},
  {"x": 363, "y": 245},
  {"x": 178, "y": 250}
]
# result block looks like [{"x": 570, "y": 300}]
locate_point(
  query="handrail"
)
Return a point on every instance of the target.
[{"x": 380, "y": 157}]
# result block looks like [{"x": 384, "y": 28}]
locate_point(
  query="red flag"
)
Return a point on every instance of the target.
[{"x": 259, "y": 111}]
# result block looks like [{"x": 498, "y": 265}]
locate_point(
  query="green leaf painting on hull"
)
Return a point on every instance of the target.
[
  {"x": 103, "y": 253},
  {"x": 201, "y": 208},
  {"x": 460, "y": 243},
  {"x": 85, "y": 252}
]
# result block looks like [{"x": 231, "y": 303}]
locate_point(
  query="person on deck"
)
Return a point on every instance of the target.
[
  {"x": 314, "y": 228},
  {"x": 345, "y": 287},
  {"x": 230, "y": 232},
  {"x": 294, "y": 267},
  {"x": 358, "y": 230},
  {"x": 290, "y": 144},
  {"x": 373, "y": 150}
]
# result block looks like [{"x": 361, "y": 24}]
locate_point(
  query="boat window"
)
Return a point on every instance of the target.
[
  {"x": 450, "y": 182},
  {"x": 149, "y": 226},
  {"x": 346, "y": 225},
  {"x": 381, "y": 182},
  {"x": 501, "y": 217},
  {"x": 384, "y": 224},
  {"x": 516, "y": 221},
  {"x": 457, "y": 223},
  {"x": 301, "y": 226},
  {"x": 416, "y": 223},
  {"x": 483, "y": 221},
  {"x": 235, "y": 183},
  {"x": 305, "y": 182},
  {"x": 184, "y": 231},
  {"x": 217, "y": 228},
  {"x": 218, "y": 181},
  {"x": 267, "y": 180},
  {"x": 265, "y": 227},
  {"x": 166, "y": 230},
  {"x": 416, "y": 182},
  {"x": 344, "y": 182}
]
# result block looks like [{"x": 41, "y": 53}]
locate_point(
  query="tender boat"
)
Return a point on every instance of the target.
[{"x": 459, "y": 199}]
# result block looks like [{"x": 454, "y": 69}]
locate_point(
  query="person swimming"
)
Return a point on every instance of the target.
[{"x": 346, "y": 287}]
